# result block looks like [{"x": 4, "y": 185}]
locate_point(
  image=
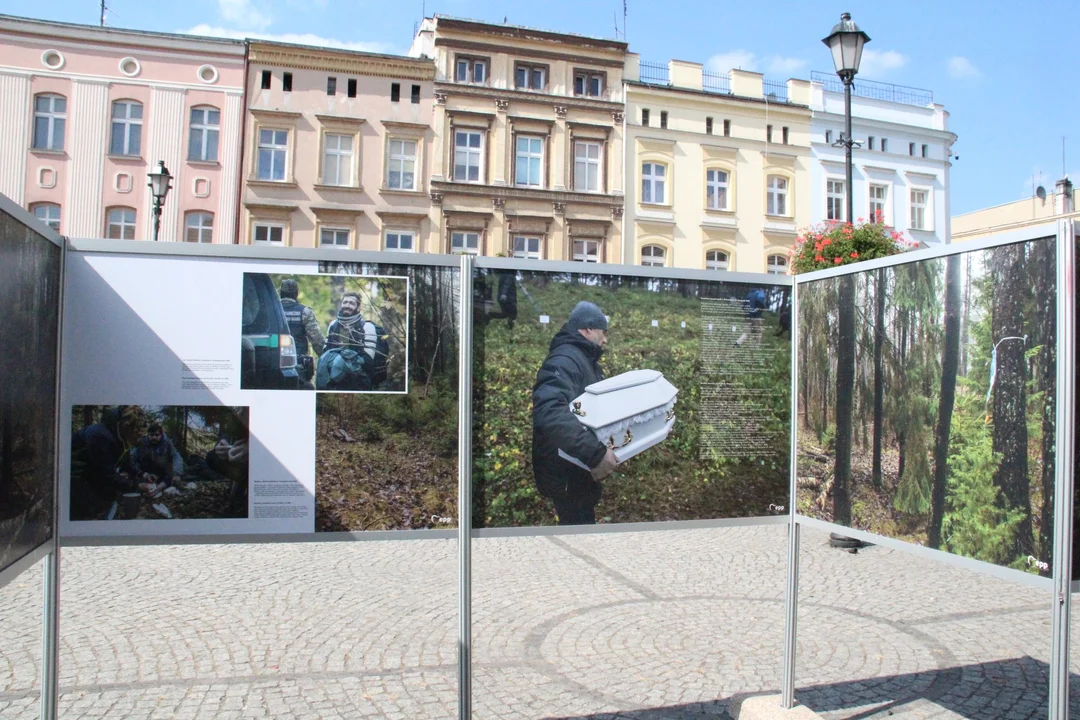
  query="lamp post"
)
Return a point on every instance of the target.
[
  {"x": 846, "y": 43},
  {"x": 160, "y": 183}
]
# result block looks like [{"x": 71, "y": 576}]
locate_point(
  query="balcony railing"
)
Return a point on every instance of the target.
[
  {"x": 654, "y": 73},
  {"x": 876, "y": 90},
  {"x": 716, "y": 82},
  {"x": 774, "y": 90}
]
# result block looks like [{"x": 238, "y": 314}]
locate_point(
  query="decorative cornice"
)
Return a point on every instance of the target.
[
  {"x": 274, "y": 114},
  {"x": 502, "y": 104},
  {"x": 558, "y": 208},
  {"x": 498, "y": 203},
  {"x": 440, "y": 98},
  {"x": 441, "y": 188},
  {"x": 617, "y": 118},
  {"x": 405, "y": 125},
  {"x": 616, "y": 212},
  {"x": 340, "y": 120},
  {"x": 522, "y": 96},
  {"x": 436, "y": 197},
  {"x": 305, "y": 58},
  {"x": 515, "y": 46},
  {"x": 560, "y": 111}
]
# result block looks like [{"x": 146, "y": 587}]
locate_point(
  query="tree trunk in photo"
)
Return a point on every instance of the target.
[
  {"x": 966, "y": 322},
  {"x": 1010, "y": 394},
  {"x": 879, "y": 373},
  {"x": 950, "y": 361},
  {"x": 901, "y": 436},
  {"x": 1045, "y": 279},
  {"x": 804, "y": 379},
  {"x": 825, "y": 396},
  {"x": 845, "y": 390}
]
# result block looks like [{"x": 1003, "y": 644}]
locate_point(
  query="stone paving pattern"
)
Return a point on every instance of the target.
[{"x": 621, "y": 626}]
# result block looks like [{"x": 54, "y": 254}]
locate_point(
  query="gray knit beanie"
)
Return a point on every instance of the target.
[{"x": 587, "y": 316}]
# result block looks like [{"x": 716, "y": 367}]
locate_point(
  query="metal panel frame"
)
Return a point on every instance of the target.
[
  {"x": 28, "y": 219},
  {"x": 465, "y": 360},
  {"x": 791, "y": 590},
  {"x": 26, "y": 562}
]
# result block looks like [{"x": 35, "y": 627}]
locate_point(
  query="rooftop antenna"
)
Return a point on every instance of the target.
[
  {"x": 103, "y": 11},
  {"x": 1063, "y": 174},
  {"x": 624, "y": 20}
]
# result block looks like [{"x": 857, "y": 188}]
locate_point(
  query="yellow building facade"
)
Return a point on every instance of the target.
[{"x": 1018, "y": 215}]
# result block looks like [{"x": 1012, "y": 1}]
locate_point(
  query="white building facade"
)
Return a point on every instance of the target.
[{"x": 901, "y": 171}]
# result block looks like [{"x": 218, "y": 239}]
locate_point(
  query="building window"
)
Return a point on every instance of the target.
[
  {"x": 351, "y": 87},
  {"x": 870, "y": 142},
  {"x": 727, "y": 128},
  {"x": 415, "y": 95},
  {"x": 652, "y": 256},
  {"x": 776, "y": 195},
  {"x": 526, "y": 247},
  {"x": 402, "y": 165},
  {"x": 203, "y": 134},
  {"x": 529, "y": 161},
  {"x": 401, "y": 241},
  {"x": 587, "y": 251},
  {"x": 48, "y": 213},
  {"x": 884, "y": 144},
  {"x": 286, "y": 82},
  {"x": 334, "y": 237},
  {"x": 644, "y": 117},
  {"x": 587, "y": 166},
  {"x": 269, "y": 233},
  {"x": 465, "y": 242},
  {"x": 199, "y": 227},
  {"x": 395, "y": 92},
  {"x": 716, "y": 260},
  {"x": 652, "y": 183},
  {"x": 471, "y": 70},
  {"x": 776, "y": 265},
  {"x": 716, "y": 190},
  {"x": 784, "y": 135},
  {"x": 338, "y": 160},
  {"x": 663, "y": 119},
  {"x": 273, "y": 152},
  {"x": 878, "y": 194},
  {"x": 121, "y": 224},
  {"x": 918, "y": 209},
  {"x": 911, "y": 149},
  {"x": 828, "y": 137},
  {"x": 50, "y": 117},
  {"x": 588, "y": 83},
  {"x": 126, "y": 130},
  {"x": 468, "y": 149},
  {"x": 926, "y": 151},
  {"x": 708, "y": 126},
  {"x": 530, "y": 77},
  {"x": 768, "y": 133},
  {"x": 331, "y": 86},
  {"x": 834, "y": 200},
  {"x": 265, "y": 83}
]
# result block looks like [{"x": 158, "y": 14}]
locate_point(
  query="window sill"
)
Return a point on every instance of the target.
[
  {"x": 338, "y": 188},
  {"x": 254, "y": 182},
  {"x": 204, "y": 163},
  {"x": 655, "y": 206},
  {"x": 719, "y": 211},
  {"x": 398, "y": 191},
  {"x": 126, "y": 158},
  {"x": 47, "y": 151}
]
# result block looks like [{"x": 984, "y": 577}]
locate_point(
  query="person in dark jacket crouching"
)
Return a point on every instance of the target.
[{"x": 568, "y": 460}]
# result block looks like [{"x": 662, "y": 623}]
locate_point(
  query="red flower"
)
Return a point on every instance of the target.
[
  {"x": 854, "y": 254},
  {"x": 819, "y": 258},
  {"x": 838, "y": 260}
]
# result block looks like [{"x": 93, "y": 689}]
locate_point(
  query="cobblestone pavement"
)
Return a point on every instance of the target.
[{"x": 627, "y": 626}]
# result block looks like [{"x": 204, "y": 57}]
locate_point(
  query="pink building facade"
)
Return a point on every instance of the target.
[{"x": 87, "y": 112}]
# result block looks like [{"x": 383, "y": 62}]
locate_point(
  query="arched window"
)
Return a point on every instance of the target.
[
  {"x": 777, "y": 196},
  {"x": 653, "y": 256},
  {"x": 199, "y": 227},
  {"x": 50, "y": 118},
  {"x": 716, "y": 190},
  {"x": 652, "y": 183},
  {"x": 126, "y": 135},
  {"x": 716, "y": 260},
  {"x": 777, "y": 265},
  {"x": 48, "y": 213},
  {"x": 203, "y": 134},
  {"x": 120, "y": 223}
]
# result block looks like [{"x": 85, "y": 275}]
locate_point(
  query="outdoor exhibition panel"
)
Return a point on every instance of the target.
[{"x": 31, "y": 258}]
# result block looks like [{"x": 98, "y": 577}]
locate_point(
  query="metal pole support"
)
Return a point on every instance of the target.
[
  {"x": 50, "y": 634},
  {"x": 791, "y": 616},
  {"x": 465, "y": 357}
]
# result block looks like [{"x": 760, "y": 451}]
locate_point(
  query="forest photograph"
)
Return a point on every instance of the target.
[
  {"x": 390, "y": 461},
  {"x": 927, "y": 402},
  {"x": 159, "y": 462},
  {"x": 30, "y": 293},
  {"x": 725, "y": 347}
]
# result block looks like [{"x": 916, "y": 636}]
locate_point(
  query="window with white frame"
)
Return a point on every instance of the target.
[
  {"x": 338, "y": 160},
  {"x": 400, "y": 241},
  {"x": 120, "y": 223},
  {"x": 529, "y": 161},
  {"x": 471, "y": 70},
  {"x": 878, "y": 196},
  {"x": 653, "y": 256},
  {"x": 587, "y": 166},
  {"x": 587, "y": 251},
  {"x": 50, "y": 119},
  {"x": 530, "y": 77},
  {"x": 653, "y": 177},
  {"x": 48, "y": 213},
  {"x": 716, "y": 260},
  {"x": 334, "y": 237},
  {"x": 465, "y": 242},
  {"x": 776, "y": 265},
  {"x": 268, "y": 233},
  {"x": 402, "y": 165},
  {"x": 203, "y": 134},
  {"x": 716, "y": 190},
  {"x": 273, "y": 154},
  {"x": 588, "y": 83},
  {"x": 468, "y": 153},
  {"x": 918, "y": 209},
  {"x": 126, "y": 130},
  {"x": 834, "y": 199},
  {"x": 199, "y": 227},
  {"x": 526, "y": 246},
  {"x": 777, "y": 195}
]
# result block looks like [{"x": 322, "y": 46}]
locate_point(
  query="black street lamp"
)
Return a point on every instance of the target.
[
  {"x": 846, "y": 43},
  {"x": 160, "y": 183}
]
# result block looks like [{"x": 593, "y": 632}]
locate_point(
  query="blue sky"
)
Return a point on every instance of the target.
[{"x": 1002, "y": 69}]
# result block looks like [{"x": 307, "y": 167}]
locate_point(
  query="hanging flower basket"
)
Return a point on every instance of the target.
[{"x": 835, "y": 243}]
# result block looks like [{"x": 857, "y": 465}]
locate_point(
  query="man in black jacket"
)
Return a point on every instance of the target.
[{"x": 568, "y": 460}]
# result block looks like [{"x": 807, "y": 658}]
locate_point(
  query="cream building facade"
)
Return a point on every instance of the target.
[
  {"x": 337, "y": 149},
  {"x": 1018, "y": 215},
  {"x": 527, "y": 155},
  {"x": 717, "y": 170}
]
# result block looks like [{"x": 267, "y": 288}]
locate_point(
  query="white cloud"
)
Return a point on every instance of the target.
[
  {"x": 777, "y": 65},
  {"x": 242, "y": 13},
  {"x": 294, "y": 38},
  {"x": 784, "y": 67},
  {"x": 960, "y": 68},
  {"x": 877, "y": 63}
]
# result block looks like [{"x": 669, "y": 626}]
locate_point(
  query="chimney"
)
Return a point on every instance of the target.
[{"x": 1063, "y": 197}]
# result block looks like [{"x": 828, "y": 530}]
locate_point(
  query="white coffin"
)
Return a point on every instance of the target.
[{"x": 630, "y": 412}]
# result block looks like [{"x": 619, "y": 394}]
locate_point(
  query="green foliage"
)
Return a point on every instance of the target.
[{"x": 835, "y": 243}]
